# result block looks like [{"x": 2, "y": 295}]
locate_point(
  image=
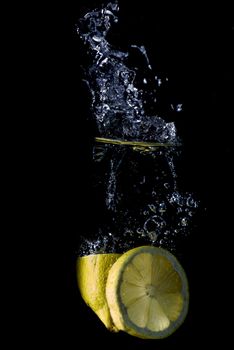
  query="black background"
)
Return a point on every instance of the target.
[{"x": 192, "y": 45}]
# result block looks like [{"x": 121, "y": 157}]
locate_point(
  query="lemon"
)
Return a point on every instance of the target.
[
  {"x": 147, "y": 293},
  {"x": 92, "y": 272}
]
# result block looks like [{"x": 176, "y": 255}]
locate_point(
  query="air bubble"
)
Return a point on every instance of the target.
[
  {"x": 152, "y": 208},
  {"x": 179, "y": 108},
  {"x": 184, "y": 222},
  {"x": 152, "y": 236}
]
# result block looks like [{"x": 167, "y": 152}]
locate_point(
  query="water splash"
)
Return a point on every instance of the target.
[
  {"x": 119, "y": 99},
  {"x": 141, "y": 203}
]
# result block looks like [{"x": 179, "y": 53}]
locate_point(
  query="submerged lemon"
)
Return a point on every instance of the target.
[
  {"x": 92, "y": 272},
  {"x": 147, "y": 293}
]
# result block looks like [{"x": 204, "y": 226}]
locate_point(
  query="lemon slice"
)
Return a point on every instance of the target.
[
  {"x": 147, "y": 293},
  {"x": 92, "y": 271}
]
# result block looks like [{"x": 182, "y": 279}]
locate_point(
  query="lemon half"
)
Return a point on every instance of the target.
[
  {"x": 147, "y": 293},
  {"x": 92, "y": 272}
]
